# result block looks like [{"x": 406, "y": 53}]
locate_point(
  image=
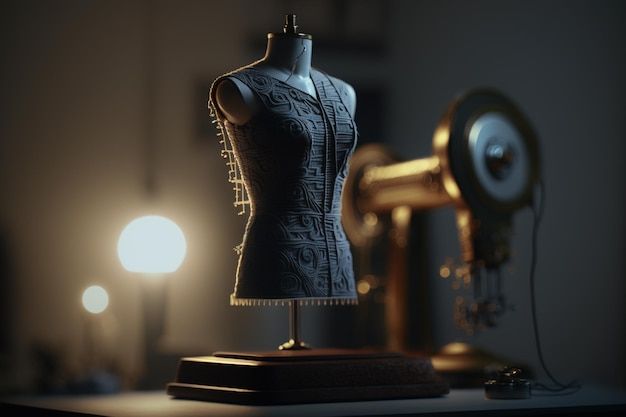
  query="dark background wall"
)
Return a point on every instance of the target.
[
  {"x": 86, "y": 87},
  {"x": 564, "y": 64}
]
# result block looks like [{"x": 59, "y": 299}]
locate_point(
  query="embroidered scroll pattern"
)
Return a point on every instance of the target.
[{"x": 293, "y": 158}]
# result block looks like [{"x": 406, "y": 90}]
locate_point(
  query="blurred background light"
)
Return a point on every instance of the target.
[
  {"x": 152, "y": 245},
  {"x": 95, "y": 299}
]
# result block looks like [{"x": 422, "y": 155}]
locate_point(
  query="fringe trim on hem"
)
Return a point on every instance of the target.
[{"x": 254, "y": 302}]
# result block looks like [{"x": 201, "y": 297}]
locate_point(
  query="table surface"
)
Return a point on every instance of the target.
[{"x": 157, "y": 403}]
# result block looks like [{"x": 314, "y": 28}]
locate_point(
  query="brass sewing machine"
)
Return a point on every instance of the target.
[{"x": 485, "y": 163}]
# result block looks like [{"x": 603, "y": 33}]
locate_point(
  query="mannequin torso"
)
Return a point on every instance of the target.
[
  {"x": 289, "y": 133},
  {"x": 288, "y": 59}
]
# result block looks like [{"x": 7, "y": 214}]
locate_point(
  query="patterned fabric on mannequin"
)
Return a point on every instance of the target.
[{"x": 292, "y": 157}]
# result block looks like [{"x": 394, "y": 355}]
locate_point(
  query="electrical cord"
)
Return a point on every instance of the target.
[{"x": 558, "y": 388}]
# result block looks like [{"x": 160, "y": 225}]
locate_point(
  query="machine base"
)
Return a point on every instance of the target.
[
  {"x": 310, "y": 376},
  {"x": 466, "y": 366}
]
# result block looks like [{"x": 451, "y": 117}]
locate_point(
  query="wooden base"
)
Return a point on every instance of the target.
[{"x": 306, "y": 376}]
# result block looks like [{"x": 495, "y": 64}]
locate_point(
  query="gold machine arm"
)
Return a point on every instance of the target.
[{"x": 485, "y": 163}]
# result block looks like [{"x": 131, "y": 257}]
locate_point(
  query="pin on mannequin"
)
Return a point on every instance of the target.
[{"x": 287, "y": 58}]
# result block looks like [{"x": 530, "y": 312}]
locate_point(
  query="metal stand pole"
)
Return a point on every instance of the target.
[{"x": 294, "y": 342}]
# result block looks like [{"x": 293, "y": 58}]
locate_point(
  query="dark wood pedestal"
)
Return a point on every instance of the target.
[{"x": 305, "y": 376}]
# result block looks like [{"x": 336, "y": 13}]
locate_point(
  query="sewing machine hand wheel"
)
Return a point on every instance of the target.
[{"x": 485, "y": 163}]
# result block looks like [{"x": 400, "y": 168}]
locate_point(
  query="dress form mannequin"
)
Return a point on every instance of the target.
[
  {"x": 287, "y": 58},
  {"x": 288, "y": 133}
]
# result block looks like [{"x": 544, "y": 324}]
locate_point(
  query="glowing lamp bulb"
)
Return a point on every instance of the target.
[
  {"x": 152, "y": 245},
  {"x": 95, "y": 299}
]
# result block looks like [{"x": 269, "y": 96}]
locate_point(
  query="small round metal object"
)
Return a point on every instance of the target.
[
  {"x": 508, "y": 386},
  {"x": 510, "y": 373},
  {"x": 518, "y": 390},
  {"x": 500, "y": 159}
]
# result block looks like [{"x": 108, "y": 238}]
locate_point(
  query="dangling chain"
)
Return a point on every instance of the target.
[{"x": 487, "y": 302}]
